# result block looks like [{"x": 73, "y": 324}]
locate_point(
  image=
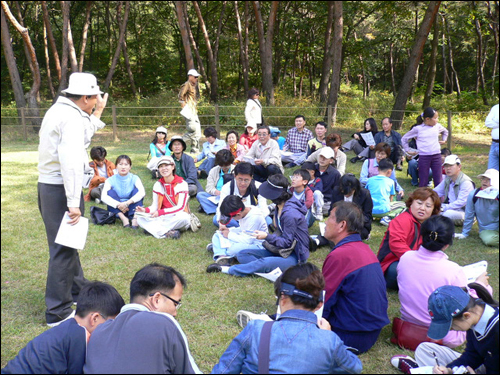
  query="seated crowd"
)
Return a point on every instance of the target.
[{"x": 333, "y": 313}]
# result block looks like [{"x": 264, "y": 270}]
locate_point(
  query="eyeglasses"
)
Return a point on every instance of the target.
[
  {"x": 243, "y": 181},
  {"x": 177, "y": 304}
]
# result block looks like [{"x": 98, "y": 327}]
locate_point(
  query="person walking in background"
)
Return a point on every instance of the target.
[
  {"x": 492, "y": 123},
  {"x": 66, "y": 131},
  {"x": 427, "y": 134},
  {"x": 253, "y": 109},
  {"x": 188, "y": 100},
  {"x": 103, "y": 169}
]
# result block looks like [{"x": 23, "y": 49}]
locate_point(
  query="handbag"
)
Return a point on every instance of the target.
[
  {"x": 100, "y": 216},
  {"x": 187, "y": 112},
  {"x": 284, "y": 253},
  {"x": 410, "y": 335}
]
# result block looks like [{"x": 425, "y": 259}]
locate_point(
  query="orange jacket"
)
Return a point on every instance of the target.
[{"x": 97, "y": 180}]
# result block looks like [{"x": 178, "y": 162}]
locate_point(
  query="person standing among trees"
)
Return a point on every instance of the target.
[
  {"x": 492, "y": 123},
  {"x": 187, "y": 97},
  {"x": 253, "y": 110},
  {"x": 66, "y": 131}
]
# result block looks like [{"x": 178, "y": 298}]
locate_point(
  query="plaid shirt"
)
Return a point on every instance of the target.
[{"x": 297, "y": 142}]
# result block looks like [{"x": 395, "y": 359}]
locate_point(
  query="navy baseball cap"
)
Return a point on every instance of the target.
[
  {"x": 270, "y": 191},
  {"x": 445, "y": 303}
]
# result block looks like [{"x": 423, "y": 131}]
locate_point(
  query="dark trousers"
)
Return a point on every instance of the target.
[
  {"x": 391, "y": 276},
  {"x": 65, "y": 274},
  {"x": 362, "y": 341},
  {"x": 131, "y": 209},
  {"x": 435, "y": 164},
  {"x": 261, "y": 173}
]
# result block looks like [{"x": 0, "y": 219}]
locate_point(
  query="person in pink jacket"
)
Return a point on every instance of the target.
[{"x": 423, "y": 271}]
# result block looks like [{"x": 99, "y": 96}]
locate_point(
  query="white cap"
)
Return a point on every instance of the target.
[
  {"x": 252, "y": 125},
  {"x": 82, "y": 84},
  {"x": 165, "y": 160},
  {"x": 193, "y": 72},
  {"x": 492, "y": 174},
  {"x": 451, "y": 159},
  {"x": 161, "y": 129},
  {"x": 327, "y": 152}
]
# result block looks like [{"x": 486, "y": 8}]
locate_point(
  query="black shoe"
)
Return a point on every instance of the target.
[
  {"x": 210, "y": 248},
  {"x": 202, "y": 175},
  {"x": 313, "y": 246},
  {"x": 354, "y": 159},
  {"x": 399, "y": 167},
  {"x": 214, "y": 267},
  {"x": 291, "y": 165},
  {"x": 201, "y": 210}
]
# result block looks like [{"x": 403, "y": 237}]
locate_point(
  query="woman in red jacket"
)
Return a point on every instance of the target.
[{"x": 403, "y": 233}]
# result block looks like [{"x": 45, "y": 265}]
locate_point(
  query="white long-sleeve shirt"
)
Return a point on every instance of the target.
[
  {"x": 492, "y": 121},
  {"x": 65, "y": 133}
]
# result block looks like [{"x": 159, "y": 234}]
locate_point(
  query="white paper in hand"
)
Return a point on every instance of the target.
[
  {"x": 73, "y": 236},
  {"x": 368, "y": 138},
  {"x": 474, "y": 270}
]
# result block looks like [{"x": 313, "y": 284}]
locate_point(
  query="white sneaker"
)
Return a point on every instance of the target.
[
  {"x": 72, "y": 315},
  {"x": 243, "y": 317},
  {"x": 97, "y": 201},
  {"x": 385, "y": 221}
]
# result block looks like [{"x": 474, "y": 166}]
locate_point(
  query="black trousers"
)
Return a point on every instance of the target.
[
  {"x": 261, "y": 173},
  {"x": 65, "y": 274}
]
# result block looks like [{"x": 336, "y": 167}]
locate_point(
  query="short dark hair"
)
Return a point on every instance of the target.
[
  {"x": 232, "y": 132},
  {"x": 333, "y": 140},
  {"x": 437, "y": 232},
  {"x": 99, "y": 297},
  {"x": 308, "y": 165},
  {"x": 385, "y": 165},
  {"x": 73, "y": 96},
  {"x": 224, "y": 157},
  {"x": 383, "y": 147},
  {"x": 302, "y": 173},
  {"x": 264, "y": 127},
  {"x": 253, "y": 91},
  {"x": 445, "y": 151},
  {"x": 349, "y": 183},
  {"x": 280, "y": 180},
  {"x": 230, "y": 204},
  {"x": 303, "y": 117},
  {"x": 322, "y": 123},
  {"x": 351, "y": 214},
  {"x": 123, "y": 157},
  {"x": 152, "y": 278},
  {"x": 306, "y": 277},
  {"x": 98, "y": 153},
  {"x": 243, "y": 168},
  {"x": 210, "y": 132},
  {"x": 388, "y": 118}
]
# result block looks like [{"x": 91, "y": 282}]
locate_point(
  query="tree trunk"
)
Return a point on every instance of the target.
[
  {"x": 415, "y": 57},
  {"x": 84, "y": 36},
  {"x": 493, "y": 25},
  {"x": 21, "y": 22},
  {"x": 31, "y": 96},
  {"x": 51, "y": 39},
  {"x": 219, "y": 30},
  {"x": 184, "y": 34},
  {"x": 64, "y": 58},
  {"x": 431, "y": 75},
  {"x": 201, "y": 66},
  {"x": 446, "y": 77},
  {"x": 121, "y": 38},
  {"x": 125, "y": 57},
  {"x": 480, "y": 65},
  {"x": 391, "y": 62},
  {"x": 10, "y": 59},
  {"x": 338, "y": 26},
  {"x": 71, "y": 45},
  {"x": 242, "y": 48},
  {"x": 47, "y": 62},
  {"x": 327, "y": 57},
  {"x": 265, "y": 48},
  {"x": 214, "y": 93}
]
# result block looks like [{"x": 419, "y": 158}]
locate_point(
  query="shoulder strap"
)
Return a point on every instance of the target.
[
  {"x": 415, "y": 239},
  {"x": 475, "y": 198},
  {"x": 264, "y": 344},
  {"x": 161, "y": 152},
  {"x": 256, "y": 102}
]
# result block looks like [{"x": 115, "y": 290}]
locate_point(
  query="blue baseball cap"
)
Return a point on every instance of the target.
[
  {"x": 274, "y": 131},
  {"x": 445, "y": 303}
]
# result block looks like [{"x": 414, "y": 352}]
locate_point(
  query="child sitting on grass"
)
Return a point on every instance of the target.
[
  {"x": 316, "y": 186},
  {"x": 382, "y": 190},
  {"x": 62, "y": 349},
  {"x": 303, "y": 193},
  {"x": 103, "y": 169}
]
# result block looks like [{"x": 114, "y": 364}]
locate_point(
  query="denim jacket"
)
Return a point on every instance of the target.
[{"x": 298, "y": 346}]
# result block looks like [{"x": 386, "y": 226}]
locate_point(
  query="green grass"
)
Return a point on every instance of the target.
[{"x": 113, "y": 254}]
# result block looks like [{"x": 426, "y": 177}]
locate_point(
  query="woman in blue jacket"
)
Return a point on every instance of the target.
[
  {"x": 298, "y": 343},
  {"x": 285, "y": 248}
]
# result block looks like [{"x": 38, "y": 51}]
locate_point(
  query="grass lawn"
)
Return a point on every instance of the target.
[{"x": 113, "y": 254}]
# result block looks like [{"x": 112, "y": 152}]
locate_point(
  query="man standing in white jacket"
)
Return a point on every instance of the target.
[{"x": 66, "y": 131}]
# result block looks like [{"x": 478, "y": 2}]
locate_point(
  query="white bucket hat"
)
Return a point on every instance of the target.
[
  {"x": 492, "y": 174},
  {"x": 82, "y": 84},
  {"x": 193, "y": 72}
]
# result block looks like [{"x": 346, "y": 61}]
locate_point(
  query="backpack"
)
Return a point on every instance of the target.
[
  {"x": 100, "y": 216},
  {"x": 475, "y": 197}
]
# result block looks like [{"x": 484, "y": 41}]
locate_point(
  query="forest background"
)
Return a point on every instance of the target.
[{"x": 370, "y": 58}]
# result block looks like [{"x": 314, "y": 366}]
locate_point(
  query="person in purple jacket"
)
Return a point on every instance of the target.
[
  {"x": 427, "y": 134},
  {"x": 356, "y": 299}
]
